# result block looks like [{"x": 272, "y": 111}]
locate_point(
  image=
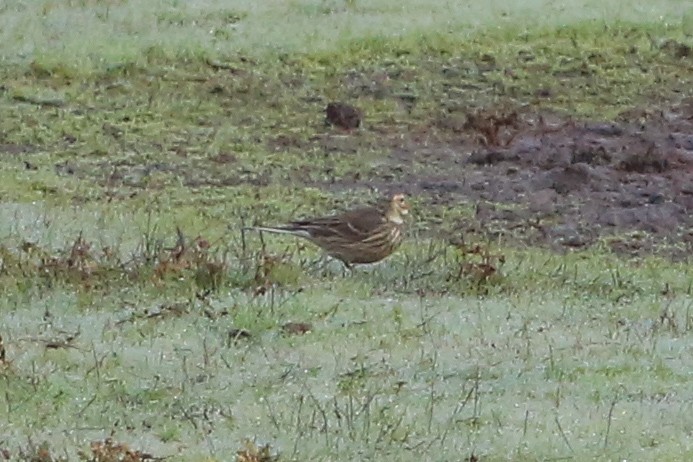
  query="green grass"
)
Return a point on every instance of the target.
[
  {"x": 123, "y": 121},
  {"x": 581, "y": 356},
  {"x": 124, "y": 31},
  {"x": 390, "y": 376}
]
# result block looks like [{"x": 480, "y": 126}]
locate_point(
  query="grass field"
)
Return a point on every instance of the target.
[{"x": 136, "y": 319}]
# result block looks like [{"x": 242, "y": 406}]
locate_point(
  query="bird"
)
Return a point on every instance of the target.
[{"x": 359, "y": 236}]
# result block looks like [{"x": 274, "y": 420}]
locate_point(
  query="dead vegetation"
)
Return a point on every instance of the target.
[
  {"x": 110, "y": 451},
  {"x": 478, "y": 265},
  {"x": 493, "y": 126},
  {"x": 107, "y": 450},
  {"x": 251, "y": 452},
  {"x": 89, "y": 267}
]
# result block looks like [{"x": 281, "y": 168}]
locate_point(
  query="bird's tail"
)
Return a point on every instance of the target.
[{"x": 280, "y": 230}]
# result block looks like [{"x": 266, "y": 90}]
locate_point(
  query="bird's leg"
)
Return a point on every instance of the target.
[{"x": 348, "y": 269}]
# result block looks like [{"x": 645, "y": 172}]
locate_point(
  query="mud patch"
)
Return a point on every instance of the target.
[{"x": 568, "y": 182}]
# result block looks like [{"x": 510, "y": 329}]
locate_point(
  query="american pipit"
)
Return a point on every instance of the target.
[{"x": 358, "y": 236}]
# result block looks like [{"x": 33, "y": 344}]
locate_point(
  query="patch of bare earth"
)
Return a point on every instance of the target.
[{"x": 565, "y": 182}]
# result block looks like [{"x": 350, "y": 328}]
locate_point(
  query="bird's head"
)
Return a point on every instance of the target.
[{"x": 398, "y": 209}]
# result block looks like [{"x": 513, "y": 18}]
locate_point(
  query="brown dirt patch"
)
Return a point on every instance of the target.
[{"x": 559, "y": 181}]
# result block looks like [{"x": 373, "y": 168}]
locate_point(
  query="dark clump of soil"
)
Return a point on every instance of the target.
[{"x": 343, "y": 115}]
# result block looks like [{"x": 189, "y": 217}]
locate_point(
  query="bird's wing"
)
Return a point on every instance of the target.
[{"x": 354, "y": 225}]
